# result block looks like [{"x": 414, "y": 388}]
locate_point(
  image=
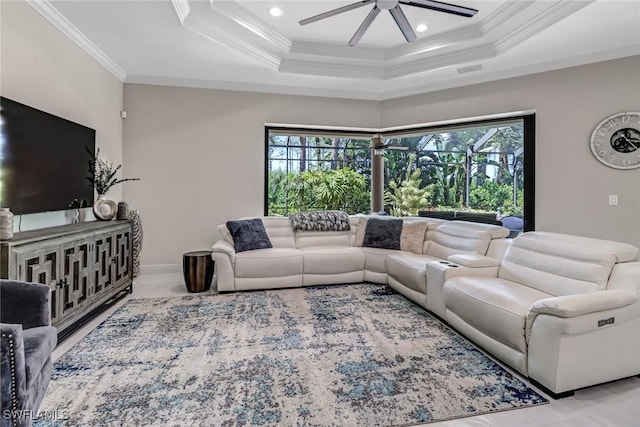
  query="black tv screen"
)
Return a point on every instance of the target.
[{"x": 43, "y": 160}]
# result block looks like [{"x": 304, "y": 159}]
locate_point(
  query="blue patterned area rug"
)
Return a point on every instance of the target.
[{"x": 356, "y": 355}]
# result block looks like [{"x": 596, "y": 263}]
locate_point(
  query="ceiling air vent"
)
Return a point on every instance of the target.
[{"x": 469, "y": 69}]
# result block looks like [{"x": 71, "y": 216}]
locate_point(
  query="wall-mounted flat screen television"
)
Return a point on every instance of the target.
[{"x": 43, "y": 160}]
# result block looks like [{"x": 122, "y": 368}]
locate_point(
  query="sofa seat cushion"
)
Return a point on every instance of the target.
[
  {"x": 375, "y": 259},
  {"x": 39, "y": 343},
  {"x": 495, "y": 307},
  {"x": 409, "y": 269},
  {"x": 332, "y": 259},
  {"x": 274, "y": 262}
]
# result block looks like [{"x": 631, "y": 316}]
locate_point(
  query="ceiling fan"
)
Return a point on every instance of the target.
[
  {"x": 379, "y": 147},
  {"x": 393, "y": 6}
]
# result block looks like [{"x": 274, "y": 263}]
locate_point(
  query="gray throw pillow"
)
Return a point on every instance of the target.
[
  {"x": 383, "y": 233},
  {"x": 249, "y": 234}
]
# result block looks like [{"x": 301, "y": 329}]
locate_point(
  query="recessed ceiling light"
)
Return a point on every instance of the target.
[
  {"x": 275, "y": 11},
  {"x": 421, "y": 28}
]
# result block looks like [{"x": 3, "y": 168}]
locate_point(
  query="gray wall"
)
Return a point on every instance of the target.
[
  {"x": 200, "y": 154},
  {"x": 44, "y": 69},
  {"x": 572, "y": 187}
]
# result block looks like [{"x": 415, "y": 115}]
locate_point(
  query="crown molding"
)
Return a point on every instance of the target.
[
  {"x": 203, "y": 27},
  {"x": 387, "y": 95},
  {"x": 505, "y": 13},
  {"x": 332, "y": 69},
  {"x": 441, "y": 61},
  {"x": 435, "y": 42},
  {"x": 246, "y": 19},
  {"x": 52, "y": 15},
  {"x": 331, "y": 50},
  {"x": 182, "y": 9},
  {"x": 253, "y": 87},
  {"x": 490, "y": 76},
  {"x": 545, "y": 19}
]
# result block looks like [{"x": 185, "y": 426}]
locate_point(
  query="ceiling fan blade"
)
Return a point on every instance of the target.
[
  {"x": 442, "y": 7},
  {"x": 364, "y": 26},
  {"x": 403, "y": 23},
  {"x": 396, "y": 148},
  {"x": 335, "y": 12}
]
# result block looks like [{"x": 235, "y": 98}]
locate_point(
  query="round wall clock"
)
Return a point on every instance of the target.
[{"x": 615, "y": 142}]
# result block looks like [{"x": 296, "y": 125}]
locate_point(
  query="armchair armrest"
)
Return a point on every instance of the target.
[
  {"x": 12, "y": 371},
  {"x": 25, "y": 303},
  {"x": 474, "y": 260}
]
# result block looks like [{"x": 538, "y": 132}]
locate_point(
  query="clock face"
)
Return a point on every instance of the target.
[{"x": 616, "y": 141}]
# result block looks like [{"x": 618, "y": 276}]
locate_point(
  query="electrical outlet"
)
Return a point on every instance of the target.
[{"x": 613, "y": 200}]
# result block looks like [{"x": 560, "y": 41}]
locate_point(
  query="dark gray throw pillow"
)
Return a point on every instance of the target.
[
  {"x": 249, "y": 234},
  {"x": 383, "y": 233}
]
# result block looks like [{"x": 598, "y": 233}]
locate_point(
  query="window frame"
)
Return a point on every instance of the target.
[{"x": 529, "y": 133}]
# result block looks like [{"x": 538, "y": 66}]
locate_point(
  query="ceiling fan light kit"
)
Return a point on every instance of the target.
[{"x": 393, "y": 6}]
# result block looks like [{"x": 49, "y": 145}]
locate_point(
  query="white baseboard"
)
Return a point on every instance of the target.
[{"x": 160, "y": 269}]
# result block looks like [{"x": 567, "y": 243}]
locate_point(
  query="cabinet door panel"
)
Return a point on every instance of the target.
[
  {"x": 122, "y": 256},
  {"x": 102, "y": 264},
  {"x": 76, "y": 275},
  {"x": 42, "y": 266}
]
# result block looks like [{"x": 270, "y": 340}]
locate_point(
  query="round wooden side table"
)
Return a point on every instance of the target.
[{"x": 197, "y": 269}]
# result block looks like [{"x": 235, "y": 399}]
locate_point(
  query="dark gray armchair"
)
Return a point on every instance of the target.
[{"x": 28, "y": 339}]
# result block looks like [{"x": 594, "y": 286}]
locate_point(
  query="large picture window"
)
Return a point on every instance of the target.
[
  {"x": 480, "y": 169},
  {"x": 317, "y": 171}
]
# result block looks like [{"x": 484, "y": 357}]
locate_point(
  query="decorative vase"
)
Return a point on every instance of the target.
[
  {"x": 6, "y": 224},
  {"x": 104, "y": 209},
  {"x": 123, "y": 210}
]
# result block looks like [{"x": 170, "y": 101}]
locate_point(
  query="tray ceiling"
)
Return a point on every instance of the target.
[{"x": 238, "y": 45}]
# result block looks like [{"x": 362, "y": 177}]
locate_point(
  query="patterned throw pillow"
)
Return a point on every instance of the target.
[
  {"x": 383, "y": 233},
  {"x": 320, "y": 221},
  {"x": 249, "y": 235}
]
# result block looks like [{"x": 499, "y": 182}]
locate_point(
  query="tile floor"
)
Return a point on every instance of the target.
[{"x": 616, "y": 404}]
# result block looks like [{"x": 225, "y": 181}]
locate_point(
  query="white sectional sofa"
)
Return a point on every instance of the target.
[
  {"x": 562, "y": 310},
  {"x": 309, "y": 258}
]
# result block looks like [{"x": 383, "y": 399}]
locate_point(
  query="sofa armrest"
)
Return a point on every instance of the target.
[
  {"x": 226, "y": 248},
  {"x": 587, "y": 312},
  {"x": 27, "y": 304},
  {"x": 473, "y": 260},
  {"x": 589, "y": 346},
  {"x": 579, "y": 304},
  {"x": 12, "y": 372},
  {"x": 224, "y": 255}
]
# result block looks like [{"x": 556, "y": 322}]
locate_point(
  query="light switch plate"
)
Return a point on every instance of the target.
[{"x": 613, "y": 200}]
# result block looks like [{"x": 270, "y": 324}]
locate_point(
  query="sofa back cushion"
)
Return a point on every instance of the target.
[
  {"x": 623, "y": 252},
  {"x": 556, "y": 266},
  {"x": 306, "y": 239},
  {"x": 458, "y": 237},
  {"x": 279, "y": 231}
]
